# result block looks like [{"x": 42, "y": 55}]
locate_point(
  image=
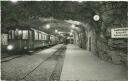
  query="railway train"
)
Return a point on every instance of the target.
[{"x": 22, "y": 38}]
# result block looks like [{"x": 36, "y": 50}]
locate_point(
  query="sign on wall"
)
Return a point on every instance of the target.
[{"x": 119, "y": 33}]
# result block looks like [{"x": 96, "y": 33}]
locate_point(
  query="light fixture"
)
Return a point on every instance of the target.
[
  {"x": 96, "y": 17},
  {"x": 61, "y": 34},
  {"x": 20, "y": 32},
  {"x": 48, "y": 26},
  {"x": 14, "y": 1},
  {"x": 56, "y": 31},
  {"x": 71, "y": 30},
  {"x": 70, "y": 33},
  {"x": 80, "y": 1},
  {"x": 9, "y": 47},
  {"x": 73, "y": 26}
]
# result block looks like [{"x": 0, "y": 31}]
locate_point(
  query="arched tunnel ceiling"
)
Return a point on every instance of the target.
[
  {"x": 59, "y": 10},
  {"x": 60, "y": 25},
  {"x": 51, "y": 12}
]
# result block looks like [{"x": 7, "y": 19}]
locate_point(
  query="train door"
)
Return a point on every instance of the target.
[
  {"x": 31, "y": 39},
  {"x": 27, "y": 39}
]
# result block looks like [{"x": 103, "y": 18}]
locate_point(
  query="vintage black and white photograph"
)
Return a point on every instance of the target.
[{"x": 64, "y": 40}]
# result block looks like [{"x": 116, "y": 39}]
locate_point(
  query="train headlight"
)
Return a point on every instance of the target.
[{"x": 10, "y": 47}]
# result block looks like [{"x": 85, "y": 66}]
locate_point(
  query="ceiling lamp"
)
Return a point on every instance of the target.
[
  {"x": 73, "y": 26},
  {"x": 71, "y": 34},
  {"x": 48, "y": 26},
  {"x": 14, "y": 1},
  {"x": 71, "y": 30},
  {"x": 56, "y": 31},
  {"x": 96, "y": 17}
]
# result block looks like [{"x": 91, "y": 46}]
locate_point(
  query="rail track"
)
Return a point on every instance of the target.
[
  {"x": 58, "y": 56},
  {"x": 8, "y": 58},
  {"x": 14, "y": 56}
]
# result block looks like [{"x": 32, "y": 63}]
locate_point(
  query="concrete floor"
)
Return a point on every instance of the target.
[{"x": 82, "y": 65}]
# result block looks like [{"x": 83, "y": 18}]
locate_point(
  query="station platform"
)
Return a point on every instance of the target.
[{"x": 80, "y": 64}]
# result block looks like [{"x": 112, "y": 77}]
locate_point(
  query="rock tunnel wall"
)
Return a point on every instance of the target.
[{"x": 99, "y": 40}]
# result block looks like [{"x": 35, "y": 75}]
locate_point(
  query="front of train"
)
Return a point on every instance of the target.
[{"x": 18, "y": 40}]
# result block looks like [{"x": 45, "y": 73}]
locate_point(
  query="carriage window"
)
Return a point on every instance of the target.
[
  {"x": 39, "y": 36},
  {"x": 13, "y": 34},
  {"x": 43, "y": 37},
  {"x": 25, "y": 34},
  {"x": 30, "y": 34},
  {"x": 10, "y": 34},
  {"x": 36, "y": 35},
  {"x": 46, "y": 37},
  {"x": 18, "y": 34}
]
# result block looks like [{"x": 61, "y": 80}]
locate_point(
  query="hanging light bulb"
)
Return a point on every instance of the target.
[
  {"x": 14, "y": 1},
  {"x": 73, "y": 26},
  {"x": 56, "y": 31},
  {"x": 80, "y": 1},
  {"x": 48, "y": 26},
  {"x": 71, "y": 30},
  {"x": 20, "y": 32},
  {"x": 70, "y": 33}
]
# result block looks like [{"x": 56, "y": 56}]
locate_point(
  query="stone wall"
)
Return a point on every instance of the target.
[
  {"x": 76, "y": 38},
  {"x": 99, "y": 41},
  {"x": 113, "y": 50}
]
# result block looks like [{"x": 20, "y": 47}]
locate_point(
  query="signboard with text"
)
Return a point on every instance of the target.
[{"x": 119, "y": 32}]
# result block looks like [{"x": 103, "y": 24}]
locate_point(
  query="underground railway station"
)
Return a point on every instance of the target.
[{"x": 64, "y": 40}]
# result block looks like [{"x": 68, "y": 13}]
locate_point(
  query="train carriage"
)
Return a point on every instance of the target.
[
  {"x": 53, "y": 40},
  {"x": 25, "y": 38},
  {"x": 40, "y": 38}
]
